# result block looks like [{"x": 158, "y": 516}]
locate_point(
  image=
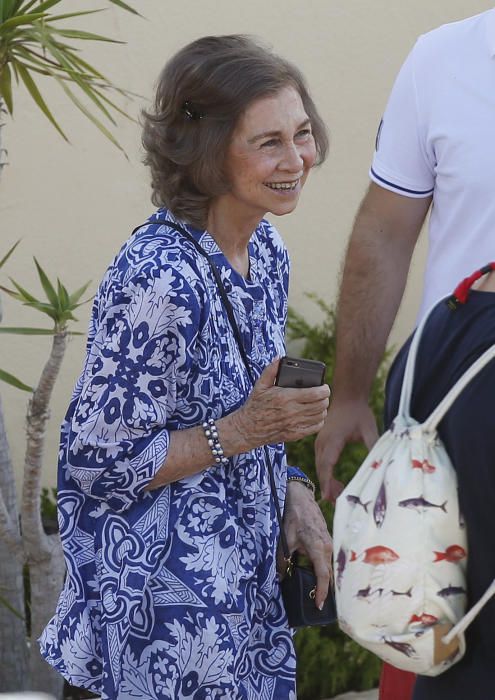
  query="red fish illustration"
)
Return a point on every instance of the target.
[
  {"x": 424, "y": 465},
  {"x": 424, "y": 619},
  {"x": 452, "y": 554},
  {"x": 376, "y": 464},
  {"x": 376, "y": 555}
]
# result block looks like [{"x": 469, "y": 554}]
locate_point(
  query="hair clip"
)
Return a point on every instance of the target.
[{"x": 191, "y": 112}]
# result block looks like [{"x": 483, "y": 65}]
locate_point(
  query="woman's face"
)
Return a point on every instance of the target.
[{"x": 270, "y": 155}]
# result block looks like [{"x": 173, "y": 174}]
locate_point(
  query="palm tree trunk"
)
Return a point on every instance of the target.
[
  {"x": 46, "y": 577},
  {"x": 44, "y": 553},
  {"x": 13, "y": 639}
]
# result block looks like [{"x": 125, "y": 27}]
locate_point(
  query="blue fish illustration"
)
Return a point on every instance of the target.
[
  {"x": 403, "y": 647},
  {"x": 368, "y": 593},
  {"x": 341, "y": 562},
  {"x": 364, "y": 592},
  {"x": 380, "y": 507},
  {"x": 451, "y": 590},
  {"x": 420, "y": 503},
  {"x": 406, "y": 593},
  {"x": 356, "y": 501}
]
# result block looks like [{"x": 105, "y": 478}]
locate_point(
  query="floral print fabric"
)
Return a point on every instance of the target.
[{"x": 172, "y": 593}]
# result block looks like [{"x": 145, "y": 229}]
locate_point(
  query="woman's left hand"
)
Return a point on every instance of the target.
[{"x": 306, "y": 531}]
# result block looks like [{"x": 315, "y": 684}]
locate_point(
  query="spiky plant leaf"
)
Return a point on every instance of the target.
[
  {"x": 14, "y": 22},
  {"x": 34, "y": 41},
  {"x": 32, "y": 88},
  {"x": 6, "y": 604},
  {"x": 48, "y": 287},
  {"x": 125, "y": 6},
  {"x": 22, "y": 294},
  {"x": 6, "y": 88},
  {"x": 26, "y": 331},
  {"x": 8, "y": 254},
  {"x": 62, "y": 295},
  {"x": 14, "y": 381},
  {"x": 75, "y": 296}
]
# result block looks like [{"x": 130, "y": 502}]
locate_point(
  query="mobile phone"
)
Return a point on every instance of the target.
[{"x": 296, "y": 372}]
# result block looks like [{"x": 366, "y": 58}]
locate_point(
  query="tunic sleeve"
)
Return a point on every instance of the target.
[{"x": 143, "y": 347}]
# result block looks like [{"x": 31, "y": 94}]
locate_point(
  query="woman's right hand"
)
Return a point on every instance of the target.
[{"x": 274, "y": 414}]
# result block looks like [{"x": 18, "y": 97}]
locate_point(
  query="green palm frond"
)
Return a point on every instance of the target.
[
  {"x": 34, "y": 40},
  {"x": 59, "y": 304},
  {"x": 14, "y": 381},
  {"x": 8, "y": 254}
]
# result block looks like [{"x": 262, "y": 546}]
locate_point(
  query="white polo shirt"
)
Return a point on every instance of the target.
[{"x": 437, "y": 137}]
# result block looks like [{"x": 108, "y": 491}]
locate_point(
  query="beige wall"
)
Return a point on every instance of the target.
[{"x": 73, "y": 205}]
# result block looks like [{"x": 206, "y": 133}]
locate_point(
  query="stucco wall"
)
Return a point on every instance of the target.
[{"x": 73, "y": 205}]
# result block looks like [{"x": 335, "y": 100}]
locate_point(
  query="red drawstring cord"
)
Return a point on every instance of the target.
[{"x": 461, "y": 292}]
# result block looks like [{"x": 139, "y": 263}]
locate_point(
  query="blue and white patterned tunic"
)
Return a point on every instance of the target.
[{"x": 173, "y": 593}]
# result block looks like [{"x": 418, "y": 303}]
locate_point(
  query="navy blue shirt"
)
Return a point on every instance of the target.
[{"x": 451, "y": 342}]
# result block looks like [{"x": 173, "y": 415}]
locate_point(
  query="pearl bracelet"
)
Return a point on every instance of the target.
[
  {"x": 211, "y": 433},
  {"x": 303, "y": 480}
]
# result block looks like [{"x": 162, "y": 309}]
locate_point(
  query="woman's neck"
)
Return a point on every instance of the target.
[{"x": 232, "y": 231}]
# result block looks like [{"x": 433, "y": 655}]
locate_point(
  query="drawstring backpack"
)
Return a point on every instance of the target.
[{"x": 399, "y": 539}]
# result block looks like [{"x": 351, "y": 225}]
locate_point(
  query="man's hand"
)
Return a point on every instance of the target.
[
  {"x": 351, "y": 421},
  {"x": 306, "y": 532}
]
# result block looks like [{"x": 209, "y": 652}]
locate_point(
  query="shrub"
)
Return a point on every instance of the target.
[{"x": 328, "y": 661}]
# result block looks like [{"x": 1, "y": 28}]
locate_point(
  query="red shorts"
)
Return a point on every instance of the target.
[{"x": 396, "y": 684}]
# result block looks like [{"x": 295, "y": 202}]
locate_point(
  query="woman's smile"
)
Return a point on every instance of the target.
[{"x": 284, "y": 187}]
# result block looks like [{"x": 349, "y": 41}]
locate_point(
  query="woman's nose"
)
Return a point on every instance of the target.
[{"x": 293, "y": 160}]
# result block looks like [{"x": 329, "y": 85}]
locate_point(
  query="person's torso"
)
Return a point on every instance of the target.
[{"x": 457, "y": 103}]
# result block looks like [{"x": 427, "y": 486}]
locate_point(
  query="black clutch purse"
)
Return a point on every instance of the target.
[
  {"x": 299, "y": 583},
  {"x": 298, "y": 593}
]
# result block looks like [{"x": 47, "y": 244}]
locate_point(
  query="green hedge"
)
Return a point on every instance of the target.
[{"x": 328, "y": 661}]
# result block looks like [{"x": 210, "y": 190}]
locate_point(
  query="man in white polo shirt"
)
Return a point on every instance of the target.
[{"x": 435, "y": 146}]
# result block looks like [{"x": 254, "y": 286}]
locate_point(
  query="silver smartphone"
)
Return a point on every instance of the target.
[{"x": 299, "y": 373}]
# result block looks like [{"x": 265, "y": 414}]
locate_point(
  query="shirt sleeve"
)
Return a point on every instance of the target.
[
  {"x": 402, "y": 161},
  {"x": 118, "y": 435}
]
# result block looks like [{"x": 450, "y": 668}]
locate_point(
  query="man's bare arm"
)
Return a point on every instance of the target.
[{"x": 377, "y": 262}]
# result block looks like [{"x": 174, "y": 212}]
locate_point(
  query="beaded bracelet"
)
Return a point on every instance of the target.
[
  {"x": 303, "y": 480},
  {"x": 211, "y": 433}
]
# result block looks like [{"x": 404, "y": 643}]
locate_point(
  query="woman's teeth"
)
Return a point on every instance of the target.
[{"x": 282, "y": 185}]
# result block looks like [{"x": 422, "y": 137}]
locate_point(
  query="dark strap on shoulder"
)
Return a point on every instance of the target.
[{"x": 237, "y": 335}]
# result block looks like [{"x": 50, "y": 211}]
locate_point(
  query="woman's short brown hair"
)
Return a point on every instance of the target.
[{"x": 201, "y": 94}]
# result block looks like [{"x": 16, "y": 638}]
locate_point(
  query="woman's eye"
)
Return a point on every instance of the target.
[
  {"x": 269, "y": 144},
  {"x": 303, "y": 133}
]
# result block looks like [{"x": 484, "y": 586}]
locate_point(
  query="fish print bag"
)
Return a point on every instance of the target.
[{"x": 400, "y": 545}]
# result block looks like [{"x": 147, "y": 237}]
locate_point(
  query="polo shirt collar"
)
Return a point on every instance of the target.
[{"x": 490, "y": 31}]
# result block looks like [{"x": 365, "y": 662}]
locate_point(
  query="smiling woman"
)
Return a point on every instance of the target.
[
  {"x": 214, "y": 82},
  {"x": 166, "y": 514},
  {"x": 267, "y": 170}
]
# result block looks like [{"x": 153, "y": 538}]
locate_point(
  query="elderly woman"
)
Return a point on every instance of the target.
[{"x": 167, "y": 519}]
